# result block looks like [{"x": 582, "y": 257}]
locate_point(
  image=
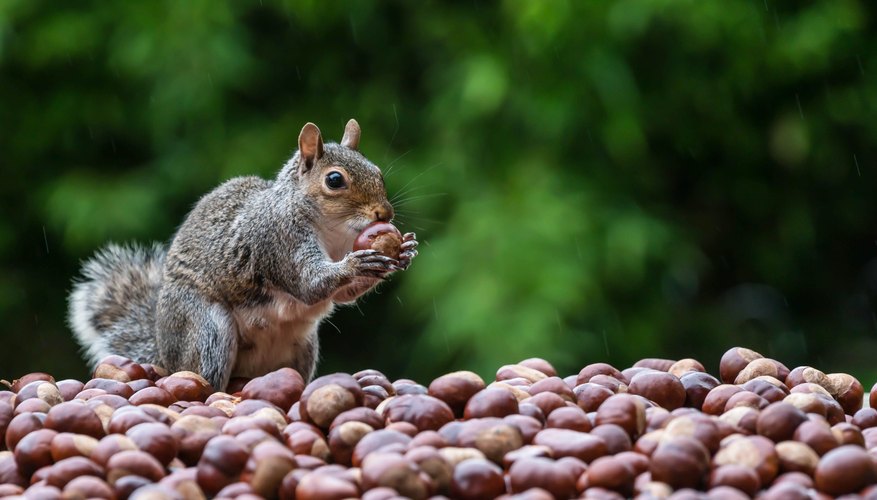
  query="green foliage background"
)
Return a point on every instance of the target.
[{"x": 591, "y": 181}]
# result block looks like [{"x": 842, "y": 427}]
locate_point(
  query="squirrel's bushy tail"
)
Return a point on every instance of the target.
[{"x": 112, "y": 307}]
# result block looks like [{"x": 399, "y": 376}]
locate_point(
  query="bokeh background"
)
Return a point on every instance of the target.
[{"x": 590, "y": 181}]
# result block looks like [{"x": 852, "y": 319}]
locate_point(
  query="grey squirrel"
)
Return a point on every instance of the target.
[{"x": 250, "y": 274}]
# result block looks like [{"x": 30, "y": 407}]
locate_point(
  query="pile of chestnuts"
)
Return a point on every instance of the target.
[{"x": 659, "y": 429}]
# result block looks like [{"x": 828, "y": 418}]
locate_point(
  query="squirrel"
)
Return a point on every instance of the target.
[{"x": 246, "y": 280}]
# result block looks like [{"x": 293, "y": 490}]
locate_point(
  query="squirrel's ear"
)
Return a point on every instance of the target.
[
  {"x": 351, "y": 135},
  {"x": 310, "y": 144}
]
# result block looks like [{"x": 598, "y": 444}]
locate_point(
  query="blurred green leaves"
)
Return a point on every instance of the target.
[{"x": 591, "y": 181}]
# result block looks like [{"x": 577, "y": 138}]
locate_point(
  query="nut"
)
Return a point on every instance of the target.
[
  {"x": 538, "y": 472},
  {"x": 66, "y": 445},
  {"x": 75, "y": 417},
  {"x": 817, "y": 435},
  {"x": 394, "y": 471},
  {"x": 424, "y": 412},
  {"x": 68, "y": 469},
  {"x": 456, "y": 388},
  {"x": 555, "y": 385},
  {"x": 796, "y": 457},
  {"x": 34, "y": 451},
  {"x": 119, "y": 368},
  {"x": 778, "y": 421},
  {"x": 320, "y": 486},
  {"x": 475, "y": 478},
  {"x": 681, "y": 462},
  {"x": 221, "y": 463},
  {"x": 611, "y": 473},
  {"x": 134, "y": 463},
  {"x": 328, "y": 396},
  {"x": 491, "y": 402},
  {"x": 344, "y": 438},
  {"x": 269, "y": 462},
  {"x": 282, "y": 387},
  {"x": 697, "y": 385},
  {"x": 846, "y": 469},
  {"x": 734, "y": 361},
  {"x": 152, "y": 395},
  {"x": 590, "y": 396},
  {"x": 88, "y": 487},
  {"x": 569, "y": 417},
  {"x": 374, "y": 441},
  {"x": 756, "y": 452},
  {"x": 593, "y": 369},
  {"x": 155, "y": 439},
  {"x": 381, "y": 236},
  {"x": 539, "y": 364},
  {"x": 624, "y": 410},
  {"x": 663, "y": 388},
  {"x": 757, "y": 368},
  {"x": 567, "y": 443},
  {"x": 186, "y": 386},
  {"x": 737, "y": 476}
]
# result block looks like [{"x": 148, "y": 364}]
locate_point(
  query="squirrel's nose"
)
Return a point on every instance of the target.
[{"x": 384, "y": 213}]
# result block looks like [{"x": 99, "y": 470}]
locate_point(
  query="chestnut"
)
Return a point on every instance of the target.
[
  {"x": 539, "y": 364},
  {"x": 737, "y": 476},
  {"x": 119, "y": 368},
  {"x": 734, "y": 361},
  {"x": 64, "y": 471},
  {"x": 373, "y": 441},
  {"x": 66, "y": 445},
  {"x": 588, "y": 372},
  {"x": 497, "y": 440},
  {"x": 843, "y": 470},
  {"x": 381, "y": 236},
  {"x": 186, "y": 386},
  {"x": 567, "y": 443},
  {"x": 110, "y": 446},
  {"x": 756, "y": 452},
  {"x": 538, "y": 472},
  {"x": 394, "y": 471},
  {"x": 328, "y": 396},
  {"x": 684, "y": 366},
  {"x": 269, "y": 462},
  {"x": 134, "y": 462},
  {"x": 847, "y": 391},
  {"x": 221, "y": 463},
  {"x": 34, "y": 451},
  {"x": 152, "y": 395},
  {"x": 20, "y": 426},
  {"x": 343, "y": 439},
  {"x": 508, "y": 372},
  {"x": 611, "y": 473},
  {"x": 88, "y": 487},
  {"x": 590, "y": 396},
  {"x": 757, "y": 368},
  {"x": 624, "y": 410},
  {"x": 308, "y": 442},
  {"x": 430, "y": 461},
  {"x": 282, "y": 387},
  {"x": 659, "y": 364},
  {"x": 75, "y": 417},
  {"x": 778, "y": 421},
  {"x": 663, "y": 388},
  {"x": 424, "y": 412},
  {"x": 9, "y": 473},
  {"x": 456, "y": 388},
  {"x": 320, "y": 486},
  {"x": 491, "y": 402},
  {"x": 796, "y": 457},
  {"x": 192, "y": 433},
  {"x": 40, "y": 389},
  {"x": 475, "y": 478},
  {"x": 681, "y": 462},
  {"x": 155, "y": 439},
  {"x": 697, "y": 385},
  {"x": 569, "y": 417},
  {"x": 817, "y": 435},
  {"x": 362, "y": 414}
]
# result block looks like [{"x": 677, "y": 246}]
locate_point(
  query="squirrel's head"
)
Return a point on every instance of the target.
[{"x": 345, "y": 186}]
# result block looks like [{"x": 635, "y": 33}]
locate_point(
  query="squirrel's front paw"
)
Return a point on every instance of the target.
[
  {"x": 371, "y": 263},
  {"x": 409, "y": 250}
]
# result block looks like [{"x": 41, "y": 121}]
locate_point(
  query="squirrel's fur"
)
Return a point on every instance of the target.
[{"x": 249, "y": 275}]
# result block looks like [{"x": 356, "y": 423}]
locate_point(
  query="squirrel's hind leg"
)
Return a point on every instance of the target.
[{"x": 197, "y": 335}]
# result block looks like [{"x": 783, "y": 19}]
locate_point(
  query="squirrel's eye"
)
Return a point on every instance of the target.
[{"x": 334, "y": 180}]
